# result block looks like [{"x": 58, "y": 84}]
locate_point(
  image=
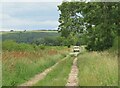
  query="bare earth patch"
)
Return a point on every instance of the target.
[{"x": 73, "y": 80}]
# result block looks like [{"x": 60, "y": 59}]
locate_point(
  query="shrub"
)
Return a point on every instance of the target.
[
  {"x": 115, "y": 46},
  {"x": 42, "y": 47},
  {"x": 25, "y": 47},
  {"x": 9, "y": 45}
]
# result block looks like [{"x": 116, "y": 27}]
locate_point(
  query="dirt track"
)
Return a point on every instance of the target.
[
  {"x": 40, "y": 76},
  {"x": 72, "y": 80}
]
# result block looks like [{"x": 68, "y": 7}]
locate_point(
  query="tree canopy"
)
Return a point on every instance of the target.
[{"x": 98, "y": 21}]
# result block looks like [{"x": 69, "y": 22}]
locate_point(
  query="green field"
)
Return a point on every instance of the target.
[
  {"x": 20, "y": 66},
  {"x": 95, "y": 69},
  {"x": 22, "y": 61}
]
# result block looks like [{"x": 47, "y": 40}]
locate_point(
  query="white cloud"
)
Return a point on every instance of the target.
[
  {"x": 30, "y": 15},
  {"x": 29, "y": 6},
  {"x": 32, "y": 0},
  {"x": 12, "y": 21},
  {"x": 4, "y": 29}
]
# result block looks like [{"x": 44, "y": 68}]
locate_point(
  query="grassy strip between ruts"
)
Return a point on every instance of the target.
[
  {"x": 98, "y": 69},
  {"x": 59, "y": 75},
  {"x": 17, "y": 71}
]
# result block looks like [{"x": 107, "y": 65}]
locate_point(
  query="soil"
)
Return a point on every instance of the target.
[{"x": 72, "y": 80}]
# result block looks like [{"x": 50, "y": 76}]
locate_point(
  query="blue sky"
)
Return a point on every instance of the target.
[{"x": 29, "y": 15}]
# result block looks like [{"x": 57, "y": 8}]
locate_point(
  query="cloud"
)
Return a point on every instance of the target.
[
  {"x": 5, "y": 29},
  {"x": 30, "y": 15},
  {"x": 21, "y": 8},
  {"x": 12, "y": 21},
  {"x": 32, "y": 0}
]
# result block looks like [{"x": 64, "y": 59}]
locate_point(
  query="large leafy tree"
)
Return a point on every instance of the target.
[
  {"x": 99, "y": 20},
  {"x": 70, "y": 20}
]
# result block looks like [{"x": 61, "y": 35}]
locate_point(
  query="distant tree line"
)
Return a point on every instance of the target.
[
  {"x": 43, "y": 38},
  {"x": 31, "y": 37}
]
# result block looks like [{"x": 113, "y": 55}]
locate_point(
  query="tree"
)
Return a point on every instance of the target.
[
  {"x": 11, "y": 30},
  {"x": 99, "y": 21},
  {"x": 101, "y": 15},
  {"x": 70, "y": 20}
]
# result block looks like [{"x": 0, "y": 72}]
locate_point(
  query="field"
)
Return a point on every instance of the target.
[
  {"x": 18, "y": 67},
  {"x": 20, "y": 64},
  {"x": 61, "y": 44},
  {"x": 98, "y": 69}
]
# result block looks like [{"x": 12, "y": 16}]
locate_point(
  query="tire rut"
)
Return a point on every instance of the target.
[
  {"x": 40, "y": 76},
  {"x": 72, "y": 79}
]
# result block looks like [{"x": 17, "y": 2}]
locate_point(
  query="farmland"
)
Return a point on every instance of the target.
[
  {"x": 23, "y": 65},
  {"x": 24, "y": 60},
  {"x": 83, "y": 52},
  {"x": 20, "y": 64}
]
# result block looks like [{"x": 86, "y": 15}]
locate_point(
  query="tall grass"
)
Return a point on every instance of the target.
[
  {"x": 0, "y": 71},
  {"x": 98, "y": 69},
  {"x": 0, "y": 62},
  {"x": 59, "y": 75},
  {"x": 20, "y": 66}
]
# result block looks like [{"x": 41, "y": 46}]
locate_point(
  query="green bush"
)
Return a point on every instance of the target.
[
  {"x": 11, "y": 45},
  {"x": 115, "y": 47},
  {"x": 25, "y": 47},
  {"x": 100, "y": 40},
  {"x": 42, "y": 47}
]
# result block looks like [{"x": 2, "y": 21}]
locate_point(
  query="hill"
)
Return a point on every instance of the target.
[{"x": 30, "y": 36}]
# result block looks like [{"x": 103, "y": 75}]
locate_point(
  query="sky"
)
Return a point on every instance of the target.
[{"x": 32, "y": 15}]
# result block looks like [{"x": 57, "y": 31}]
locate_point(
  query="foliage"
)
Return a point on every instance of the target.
[
  {"x": 36, "y": 38},
  {"x": 98, "y": 20},
  {"x": 25, "y": 47},
  {"x": 29, "y": 37},
  {"x": 48, "y": 39},
  {"x": 11, "y": 45},
  {"x": 115, "y": 48},
  {"x": 42, "y": 47}
]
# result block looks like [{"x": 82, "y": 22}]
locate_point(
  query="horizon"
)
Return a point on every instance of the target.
[{"x": 14, "y": 30}]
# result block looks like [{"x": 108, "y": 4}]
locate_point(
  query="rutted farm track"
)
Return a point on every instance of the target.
[
  {"x": 70, "y": 75},
  {"x": 40, "y": 76},
  {"x": 89, "y": 68},
  {"x": 73, "y": 80}
]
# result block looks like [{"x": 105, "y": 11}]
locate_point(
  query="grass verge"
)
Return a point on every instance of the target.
[{"x": 98, "y": 69}]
